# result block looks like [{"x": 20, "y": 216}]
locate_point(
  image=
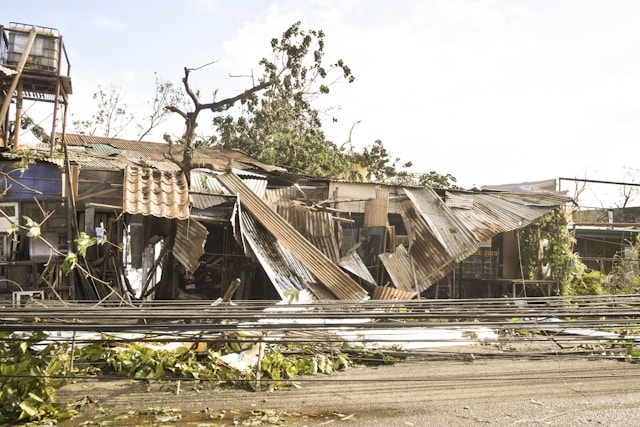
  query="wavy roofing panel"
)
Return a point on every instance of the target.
[
  {"x": 442, "y": 222},
  {"x": 210, "y": 157},
  {"x": 163, "y": 194},
  {"x": 327, "y": 272},
  {"x": 207, "y": 191},
  {"x": 354, "y": 264},
  {"x": 488, "y": 214},
  {"x": 283, "y": 269},
  {"x": 317, "y": 227},
  {"x": 402, "y": 272},
  {"x": 442, "y": 234}
]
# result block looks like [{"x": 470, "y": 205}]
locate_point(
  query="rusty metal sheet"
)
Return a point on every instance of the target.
[
  {"x": 443, "y": 234},
  {"x": 445, "y": 226},
  {"x": 401, "y": 269},
  {"x": 488, "y": 214},
  {"x": 438, "y": 240},
  {"x": 392, "y": 294},
  {"x": 327, "y": 272},
  {"x": 376, "y": 213},
  {"x": 282, "y": 268},
  {"x": 316, "y": 226},
  {"x": 209, "y": 157},
  {"x": 189, "y": 245}
]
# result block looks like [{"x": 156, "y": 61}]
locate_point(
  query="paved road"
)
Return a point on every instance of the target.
[{"x": 494, "y": 392}]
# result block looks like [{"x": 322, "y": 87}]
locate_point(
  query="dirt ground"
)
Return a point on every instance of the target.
[{"x": 552, "y": 391}]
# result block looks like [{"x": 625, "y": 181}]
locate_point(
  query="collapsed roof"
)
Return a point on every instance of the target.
[{"x": 292, "y": 231}]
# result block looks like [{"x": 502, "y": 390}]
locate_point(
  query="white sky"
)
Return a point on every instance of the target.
[{"x": 490, "y": 91}]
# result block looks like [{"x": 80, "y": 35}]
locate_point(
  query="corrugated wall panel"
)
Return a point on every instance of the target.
[
  {"x": 189, "y": 245},
  {"x": 316, "y": 227}
]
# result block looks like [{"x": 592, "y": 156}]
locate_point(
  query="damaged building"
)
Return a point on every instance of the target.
[
  {"x": 90, "y": 218},
  {"x": 283, "y": 236}
]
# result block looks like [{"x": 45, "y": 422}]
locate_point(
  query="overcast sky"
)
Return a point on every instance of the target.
[{"x": 492, "y": 92}]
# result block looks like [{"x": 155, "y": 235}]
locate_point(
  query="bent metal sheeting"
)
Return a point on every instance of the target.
[
  {"x": 327, "y": 272},
  {"x": 283, "y": 269},
  {"x": 441, "y": 234}
]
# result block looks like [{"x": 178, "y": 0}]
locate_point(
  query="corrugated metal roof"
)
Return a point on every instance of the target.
[
  {"x": 444, "y": 225},
  {"x": 534, "y": 199},
  {"x": 547, "y": 185},
  {"x": 101, "y": 149},
  {"x": 329, "y": 274},
  {"x": 488, "y": 214},
  {"x": 399, "y": 266},
  {"x": 443, "y": 234},
  {"x": 438, "y": 239},
  {"x": 189, "y": 244},
  {"x": 392, "y": 294},
  {"x": 114, "y": 153},
  {"x": 282, "y": 268},
  {"x": 352, "y": 263},
  {"x": 159, "y": 193},
  {"x": 205, "y": 182},
  {"x": 210, "y": 157},
  {"x": 316, "y": 227}
]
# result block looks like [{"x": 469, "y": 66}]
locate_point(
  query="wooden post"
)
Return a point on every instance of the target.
[
  {"x": 17, "y": 126},
  {"x": 259, "y": 364}
]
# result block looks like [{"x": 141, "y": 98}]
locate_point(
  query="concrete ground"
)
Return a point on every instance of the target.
[{"x": 552, "y": 391}]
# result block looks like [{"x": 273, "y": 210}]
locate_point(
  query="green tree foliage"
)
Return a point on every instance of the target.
[
  {"x": 378, "y": 165},
  {"x": 624, "y": 277},
  {"x": 437, "y": 180},
  {"x": 546, "y": 244},
  {"x": 30, "y": 372},
  {"x": 585, "y": 283},
  {"x": 280, "y": 126}
]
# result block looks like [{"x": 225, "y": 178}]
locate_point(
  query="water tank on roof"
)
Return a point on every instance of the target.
[{"x": 44, "y": 52}]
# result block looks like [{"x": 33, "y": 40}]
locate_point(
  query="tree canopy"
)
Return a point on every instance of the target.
[
  {"x": 280, "y": 125},
  {"x": 275, "y": 120}
]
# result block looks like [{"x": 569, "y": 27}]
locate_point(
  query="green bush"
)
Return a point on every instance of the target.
[
  {"x": 624, "y": 277},
  {"x": 586, "y": 284}
]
